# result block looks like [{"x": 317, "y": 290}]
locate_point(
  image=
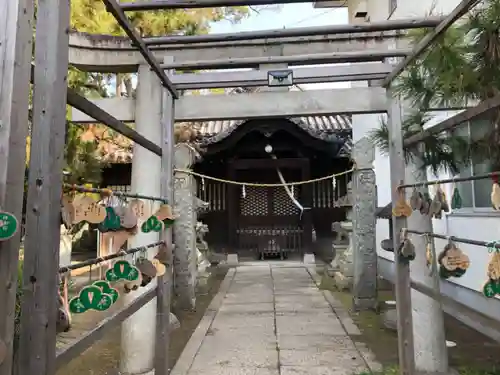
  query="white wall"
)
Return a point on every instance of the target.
[
  {"x": 466, "y": 225},
  {"x": 378, "y": 10}
]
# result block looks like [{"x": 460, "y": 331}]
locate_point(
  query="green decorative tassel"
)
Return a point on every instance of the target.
[{"x": 456, "y": 200}]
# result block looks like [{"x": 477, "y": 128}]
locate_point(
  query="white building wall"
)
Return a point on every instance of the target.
[{"x": 466, "y": 223}]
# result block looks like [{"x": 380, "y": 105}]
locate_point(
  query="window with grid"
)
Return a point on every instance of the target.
[{"x": 475, "y": 195}]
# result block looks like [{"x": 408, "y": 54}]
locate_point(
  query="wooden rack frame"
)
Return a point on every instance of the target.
[{"x": 45, "y": 179}]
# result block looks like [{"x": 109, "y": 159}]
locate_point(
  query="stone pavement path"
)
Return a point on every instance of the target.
[{"x": 273, "y": 320}]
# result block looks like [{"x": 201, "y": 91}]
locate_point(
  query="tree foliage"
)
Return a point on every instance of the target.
[
  {"x": 90, "y": 16},
  {"x": 462, "y": 67}
]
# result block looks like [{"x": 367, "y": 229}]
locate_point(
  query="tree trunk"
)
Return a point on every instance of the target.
[{"x": 428, "y": 323}]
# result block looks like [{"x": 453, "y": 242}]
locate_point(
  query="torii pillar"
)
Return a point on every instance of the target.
[{"x": 138, "y": 331}]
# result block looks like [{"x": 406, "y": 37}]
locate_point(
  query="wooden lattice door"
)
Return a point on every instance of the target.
[{"x": 269, "y": 223}]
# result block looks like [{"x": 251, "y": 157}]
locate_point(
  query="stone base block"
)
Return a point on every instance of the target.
[
  {"x": 309, "y": 258},
  {"x": 360, "y": 304},
  {"x": 342, "y": 282},
  {"x": 232, "y": 260}
]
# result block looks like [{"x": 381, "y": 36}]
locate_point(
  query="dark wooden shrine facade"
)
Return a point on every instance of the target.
[{"x": 245, "y": 218}]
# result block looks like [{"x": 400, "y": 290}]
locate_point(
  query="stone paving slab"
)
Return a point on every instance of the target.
[
  {"x": 273, "y": 320},
  {"x": 310, "y": 329},
  {"x": 346, "y": 359},
  {"x": 315, "y": 342},
  {"x": 236, "y": 357},
  {"x": 318, "y": 370},
  {"x": 223, "y": 370},
  {"x": 223, "y": 322},
  {"x": 247, "y": 308}
]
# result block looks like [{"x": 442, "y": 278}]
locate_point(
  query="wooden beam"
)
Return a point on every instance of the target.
[
  {"x": 86, "y": 106},
  {"x": 483, "y": 108},
  {"x": 16, "y": 32},
  {"x": 105, "y": 326},
  {"x": 279, "y": 104},
  {"x": 99, "y": 53},
  {"x": 37, "y": 346},
  {"x": 298, "y": 32},
  {"x": 257, "y": 105},
  {"x": 254, "y": 78},
  {"x": 188, "y": 4},
  {"x": 320, "y": 58},
  {"x": 402, "y": 275},
  {"x": 114, "y": 8},
  {"x": 430, "y": 38},
  {"x": 165, "y": 282}
]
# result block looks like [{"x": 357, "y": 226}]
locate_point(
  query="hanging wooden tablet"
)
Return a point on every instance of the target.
[
  {"x": 495, "y": 196},
  {"x": 107, "y": 289},
  {"x": 429, "y": 257},
  {"x": 160, "y": 268},
  {"x": 133, "y": 284},
  {"x": 8, "y": 225},
  {"x": 493, "y": 270},
  {"x": 426, "y": 204},
  {"x": 67, "y": 210},
  {"x": 406, "y": 249},
  {"x": 435, "y": 206},
  {"x": 162, "y": 255},
  {"x": 90, "y": 298},
  {"x": 456, "y": 199},
  {"x": 146, "y": 267},
  {"x": 442, "y": 198},
  {"x": 453, "y": 262},
  {"x": 152, "y": 224},
  {"x": 122, "y": 270},
  {"x": 401, "y": 208},
  {"x": 128, "y": 218},
  {"x": 87, "y": 209},
  {"x": 139, "y": 208},
  {"x": 416, "y": 200},
  {"x": 111, "y": 222}
]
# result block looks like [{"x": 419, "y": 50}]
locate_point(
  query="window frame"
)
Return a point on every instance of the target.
[
  {"x": 393, "y": 4},
  {"x": 473, "y": 211}
]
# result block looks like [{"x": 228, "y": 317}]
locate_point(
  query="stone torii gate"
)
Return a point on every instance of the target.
[{"x": 158, "y": 103}]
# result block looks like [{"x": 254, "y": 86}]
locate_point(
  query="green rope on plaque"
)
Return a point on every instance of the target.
[{"x": 456, "y": 200}]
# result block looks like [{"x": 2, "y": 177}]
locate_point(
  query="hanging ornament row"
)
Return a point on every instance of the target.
[
  {"x": 101, "y": 295},
  {"x": 433, "y": 207},
  {"x": 124, "y": 217}
]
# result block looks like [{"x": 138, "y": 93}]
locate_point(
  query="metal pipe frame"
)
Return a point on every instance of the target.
[
  {"x": 491, "y": 245},
  {"x": 254, "y": 78},
  {"x": 189, "y": 4},
  {"x": 430, "y": 38},
  {"x": 114, "y": 8},
  {"x": 320, "y": 58},
  {"x": 487, "y": 176},
  {"x": 483, "y": 108},
  {"x": 298, "y": 32}
]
